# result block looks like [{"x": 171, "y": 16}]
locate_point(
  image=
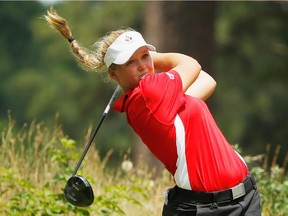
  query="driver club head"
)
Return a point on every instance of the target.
[{"x": 78, "y": 191}]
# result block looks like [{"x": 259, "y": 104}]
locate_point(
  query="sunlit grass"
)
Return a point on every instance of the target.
[{"x": 36, "y": 163}]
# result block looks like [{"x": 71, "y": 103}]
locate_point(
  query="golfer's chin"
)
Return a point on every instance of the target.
[{"x": 131, "y": 86}]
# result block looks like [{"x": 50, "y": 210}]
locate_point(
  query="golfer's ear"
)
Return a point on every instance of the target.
[{"x": 112, "y": 74}]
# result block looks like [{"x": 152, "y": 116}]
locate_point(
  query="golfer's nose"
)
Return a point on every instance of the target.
[{"x": 141, "y": 65}]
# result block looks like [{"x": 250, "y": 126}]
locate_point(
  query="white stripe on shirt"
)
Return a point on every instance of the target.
[{"x": 181, "y": 175}]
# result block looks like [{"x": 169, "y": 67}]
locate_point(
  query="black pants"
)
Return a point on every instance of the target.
[{"x": 180, "y": 203}]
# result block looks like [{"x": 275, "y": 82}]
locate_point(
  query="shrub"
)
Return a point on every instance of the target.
[
  {"x": 37, "y": 162},
  {"x": 33, "y": 177},
  {"x": 273, "y": 185}
]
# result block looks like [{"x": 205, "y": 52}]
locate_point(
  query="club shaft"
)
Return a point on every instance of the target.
[{"x": 106, "y": 111}]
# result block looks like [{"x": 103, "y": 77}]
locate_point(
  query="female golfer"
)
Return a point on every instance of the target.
[{"x": 167, "y": 110}]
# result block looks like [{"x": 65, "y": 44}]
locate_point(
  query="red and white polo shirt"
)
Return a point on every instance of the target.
[{"x": 181, "y": 132}]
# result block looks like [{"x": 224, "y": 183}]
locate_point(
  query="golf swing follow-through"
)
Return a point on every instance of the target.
[{"x": 164, "y": 102}]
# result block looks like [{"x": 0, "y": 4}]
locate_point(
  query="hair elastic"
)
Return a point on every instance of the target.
[{"x": 71, "y": 39}]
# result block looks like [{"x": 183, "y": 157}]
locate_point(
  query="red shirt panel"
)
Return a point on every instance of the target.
[{"x": 151, "y": 109}]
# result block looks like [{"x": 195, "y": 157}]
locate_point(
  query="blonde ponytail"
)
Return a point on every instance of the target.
[
  {"x": 58, "y": 23},
  {"x": 89, "y": 60}
]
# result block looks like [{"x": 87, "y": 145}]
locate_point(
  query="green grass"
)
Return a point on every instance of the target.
[{"x": 36, "y": 163}]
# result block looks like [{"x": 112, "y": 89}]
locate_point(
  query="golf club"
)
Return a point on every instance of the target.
[{"x": 78, "y": 190}]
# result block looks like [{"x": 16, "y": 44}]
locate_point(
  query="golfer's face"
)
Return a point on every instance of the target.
[{"x": 130, "y": 73}]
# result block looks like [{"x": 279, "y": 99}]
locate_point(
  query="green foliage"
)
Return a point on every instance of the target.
[
  {"x": 273, "y": 187},
  {"x": 38, "y": 190},
  {"x": 28, "y": 199},
  {"x": 32, "y": 180},
  {"x": 39, "y": 76},
  {"x": 252, "y": 51}
]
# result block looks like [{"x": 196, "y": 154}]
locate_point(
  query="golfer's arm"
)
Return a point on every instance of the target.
[
  {"x": 203, "y": 87},
  {"x": 187, "y": 67}
]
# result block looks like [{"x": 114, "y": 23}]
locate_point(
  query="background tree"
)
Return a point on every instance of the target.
[
  {"x": 243, "y": 45},
  {"x": 251, "y": 64}
]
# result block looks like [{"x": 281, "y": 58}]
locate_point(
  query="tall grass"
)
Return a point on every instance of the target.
[{"x": 36, "y": 163}]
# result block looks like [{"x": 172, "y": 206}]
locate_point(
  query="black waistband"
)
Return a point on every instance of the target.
[{"x": 228, "y": 195}]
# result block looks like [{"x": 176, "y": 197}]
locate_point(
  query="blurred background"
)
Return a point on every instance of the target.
[{"x": 243, "y": 45}]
